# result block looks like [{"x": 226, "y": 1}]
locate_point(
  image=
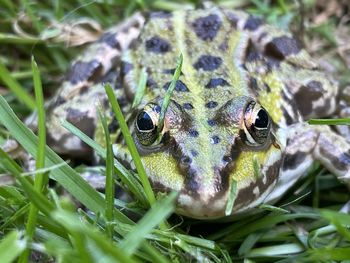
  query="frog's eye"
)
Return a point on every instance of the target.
[
  {"x": 257, "y": 123},
  {"x": 146, "y": 126}
]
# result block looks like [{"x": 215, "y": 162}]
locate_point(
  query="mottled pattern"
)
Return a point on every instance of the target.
[
  {"x": 281, "y": 47},
  {"x": 215, "y": 131},
  {"x": 83, "y": 71},
  {"x": 213, "y": 83},
  {"x": 207, "y": 27},
  {"x": 157, "y": 45},
  {"x": 208, "y": 63}
]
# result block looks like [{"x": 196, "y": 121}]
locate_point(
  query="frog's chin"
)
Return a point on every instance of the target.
[{"x": 196, "y": 208}]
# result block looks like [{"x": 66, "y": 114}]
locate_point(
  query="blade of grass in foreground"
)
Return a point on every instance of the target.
[
  {"x": 343, "y": 121},
  {"x": 110, "y": 186},
  {"x": 168, "y": 95},
  {"x": 16, "y": 88},
  {"x": 65, "y": 175},
  {"x": 11, "y": 247},
  {"x": 40, "y": 178},
  {"x": 131, "y": 144},
  {"x": 74, "y": 225},
  {"x": 159, "y": 212}
]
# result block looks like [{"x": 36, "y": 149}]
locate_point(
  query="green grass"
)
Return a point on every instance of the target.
[{"x": 46, "y": 223}]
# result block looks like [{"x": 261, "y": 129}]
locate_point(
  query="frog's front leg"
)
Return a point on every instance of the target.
[{"x": 305, "y": 144}]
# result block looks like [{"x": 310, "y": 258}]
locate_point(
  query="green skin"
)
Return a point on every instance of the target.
[{"x": 234, "y": 128}]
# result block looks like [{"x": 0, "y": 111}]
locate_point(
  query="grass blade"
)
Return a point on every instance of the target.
[
  {"x": 40, "y": 178},
  {"x": 342, "y": 121},
  {"x": 168, "y": 94},
  {"x": 16, "y": 88},
  {"x": 74, "y": 225},
  {"x": 11, "y": 247},
  {"x": 131, "y": 144},
  {"x": 110, "y": 188},
  {"x": 159, "y": 212}
]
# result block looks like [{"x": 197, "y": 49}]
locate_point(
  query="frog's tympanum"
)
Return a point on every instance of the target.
[{"x": 236, "y": 117}]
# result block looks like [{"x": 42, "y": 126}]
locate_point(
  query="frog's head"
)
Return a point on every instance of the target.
[{"x": 208, "y": 156}]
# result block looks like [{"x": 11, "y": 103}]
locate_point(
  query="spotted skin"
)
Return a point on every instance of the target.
[{"x": 234, "y": 66}]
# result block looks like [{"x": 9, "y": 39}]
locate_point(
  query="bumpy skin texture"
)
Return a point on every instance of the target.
[{"x": 231, "y": 61}]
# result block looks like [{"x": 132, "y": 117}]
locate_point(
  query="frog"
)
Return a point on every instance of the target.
[{"x": 234, "y": 135}]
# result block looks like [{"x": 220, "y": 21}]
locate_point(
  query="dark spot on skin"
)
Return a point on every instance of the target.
[
  {"x": 113, "y": 78},
  {"x": 208, "y": 63},
  {"x": 207, "y": 27},
  {"x": 123, "y": 101},
  {"x": 191, "y": 184},
  {"x": 151, "y": 83},
  {"x": 211, "y": 104},
  {"x": 169, "y": 71},
  {"x": 157, "y": 108},
  {"x": 287, "y": 117},
  {"x": 224, "y": 46},
  {"x": 58, "y": 101},
  {"x": 292, "y": 161},
  {"x": 194, "y": 153},
  {"x": 215, "y": 139},
  {"x": 157, "y": 45},
  {"x": 281, "y": 47},
  {"x": 179, "y": 86},
  {"x": 253, "y": 83},
  {"x": 193, "y": 133},
  {"x": 212, "y": 123},
  {"x": 188, "y": 106},
  {"x": 82, "y": 71},
  {"x": 113, "y": 126},
  {"x": 81, "y": 121},
  {"x": 267, "y": 87},
  {"x": 272, "y": 63},
  {"x": 213, "y": 83},
  {"x": 222, "y": 183},
  {"x": 83, "y": 89},
  {"x": 253, "y": 23},
  {"x": 110, "y": 39},
  {"x": 126, "y": 67},
  {"x": 306, "y": 95},
  {"x": 252, "y": 54}
]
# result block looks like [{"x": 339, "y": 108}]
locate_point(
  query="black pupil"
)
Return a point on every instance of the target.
[
  {"x": 262, "y": 119},
  {"x": 144, "y": 122}
]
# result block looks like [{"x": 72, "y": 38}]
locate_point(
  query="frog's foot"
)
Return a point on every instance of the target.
[
  {"x": 307, "y": 143},
  {"x": 333, "y": 151}
]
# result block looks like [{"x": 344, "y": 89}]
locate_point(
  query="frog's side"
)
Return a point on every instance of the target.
[{"x": 216, "y": 136}]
